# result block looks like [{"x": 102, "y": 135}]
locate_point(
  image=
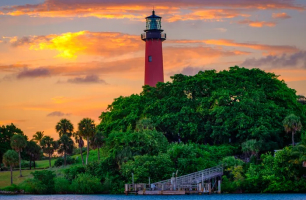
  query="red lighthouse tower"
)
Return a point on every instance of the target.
[{"x": 153, "y": 36}]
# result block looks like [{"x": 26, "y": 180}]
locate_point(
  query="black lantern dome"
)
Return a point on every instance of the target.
[
  {"x": 153, "y": 28},
  {"x": 153, "y": 22}
]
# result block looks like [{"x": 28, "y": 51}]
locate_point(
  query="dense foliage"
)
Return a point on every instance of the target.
[
  {"x": 210, "y": 107},
  {"x": 274, "y": 174},
  {"x": 61, "y": 161}
]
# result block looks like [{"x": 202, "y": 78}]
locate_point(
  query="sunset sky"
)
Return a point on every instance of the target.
[{"x": 71, "y": 58}]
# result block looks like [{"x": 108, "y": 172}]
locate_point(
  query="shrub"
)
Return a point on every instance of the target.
[
  {"x": 86, "y": 184},
  {"x": 231, "y": 161},
  {"x": 33, "y": 186},
  {"x": 73, "y": 171},
  {"x": 11, "y": 188},
  {"x": 61, "y": 186},
  {"x": 60, "y": 161},
  {"x": 46, "y": 177},
  {"x": 3, "y": 167},
  {"x": 26, "y": 164}
]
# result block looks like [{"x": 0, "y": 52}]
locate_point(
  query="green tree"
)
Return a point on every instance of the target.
[
  {"x": 158, "y": 168},
  {"x": 38, "y": 136},
  {"x": 97, "y": 141},
  {"x": 230, "y": 106},
  {"x": 65, "y": 146},
  {"x": 33, "y": 150},
  {"x": 79, "y": 140},
  {"x": 6, "y": 133},
  {"x": 250, "y": 147},
  {"x": 292, "y": 124},
  {"x": 18, "y": 143},
  {"x": 49, "y": 146},
  {"x": 64, "y": 127},
  {"x": 10, "y": 158},
  {"x": 87, "y": 129},
  {"x": 122, "y": 146}
]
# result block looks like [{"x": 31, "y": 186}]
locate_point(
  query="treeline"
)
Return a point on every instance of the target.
[
  {"x": 15, "y": 146},
  {"x": 144, "y": 152}
]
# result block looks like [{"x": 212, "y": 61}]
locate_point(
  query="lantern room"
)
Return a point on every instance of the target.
[{"x": 153, "y": 22}]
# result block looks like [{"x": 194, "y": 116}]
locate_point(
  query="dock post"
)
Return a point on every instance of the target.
[
  {"x": 126, "y": 189},
  {"x": 199, "y": 188},
  {"x": 209, "y": 188},
  {"x": 219, "y": 186},
  {"x": 202, "y": 180}
]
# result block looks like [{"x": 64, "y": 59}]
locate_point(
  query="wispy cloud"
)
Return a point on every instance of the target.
[
  {"x": 257, "y": 24},
  {"x": 86, "y": 80},
  {"x": 57, "y": 114},
  {"x": 14, "y": 121},
  {"x": 34, "y": 73},
  {"x": 270, "y": 49},
  {"x": 296, "y": 60},
  {"x": 280, "y": 16},
  {"x": 137, "y": 9}
]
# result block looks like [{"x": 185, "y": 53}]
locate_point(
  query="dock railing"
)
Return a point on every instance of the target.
[
  {"x": 195, "y": 182},
  {"x": 193, "y": 178}
]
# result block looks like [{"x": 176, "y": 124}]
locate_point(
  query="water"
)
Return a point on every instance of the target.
[{"x": 140, "y": 197}]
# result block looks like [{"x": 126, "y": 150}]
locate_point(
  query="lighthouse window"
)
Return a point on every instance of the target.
[{"x": 150, "y": 58}]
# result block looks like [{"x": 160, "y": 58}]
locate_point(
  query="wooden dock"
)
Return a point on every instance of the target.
[{"x": 201, "y": 182}]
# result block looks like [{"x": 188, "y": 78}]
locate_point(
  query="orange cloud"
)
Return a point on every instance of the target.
[
  {"x": 270, "y": 49},
  {"x": 114, "y": 47},
  {"x": 59, "y": 100},
  {"x": 12, "y": 67},
  {"x": 209, "y": 14},
  {"x": 7, "y": 122},
  {"x": 172, "y": 10},
  {"x": 281, "y": 16},
  {"x": 257, "y": 24},
  {"x": 70, "y": 45}
]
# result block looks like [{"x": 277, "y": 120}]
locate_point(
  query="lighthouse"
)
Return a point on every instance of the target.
[{"x": 153, "y": 36}]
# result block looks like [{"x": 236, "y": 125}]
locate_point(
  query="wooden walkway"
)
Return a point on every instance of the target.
[{"x": 205, "y": 181}]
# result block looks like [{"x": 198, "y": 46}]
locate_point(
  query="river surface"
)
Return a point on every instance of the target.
[{"x": 140, "y": 197}]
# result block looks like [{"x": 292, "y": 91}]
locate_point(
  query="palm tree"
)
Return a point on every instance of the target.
[
  {"x": 18, "y": 142},
  {"x": 33, "y": 150},
  {"x": 65, "y": 146},
  {"x": 38, "y": 136},
  {"x": 97, "y": 141},
  {"x": 250, "y": 147},
  {"x": 10, "y": 158},
  {"x": 79, "y": 140},
  {"x": 292, "y": 124},
  {"x": 49, "y": 146},
  {"x": 87, "y": 129},
  {"x": 64, "y": 127}
]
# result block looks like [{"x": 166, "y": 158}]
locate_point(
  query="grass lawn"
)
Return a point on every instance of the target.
[
  {"x": 44, "y": 163},
  {"x": 5, "y": 177},
  {"x": 93, "y": 156}
]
